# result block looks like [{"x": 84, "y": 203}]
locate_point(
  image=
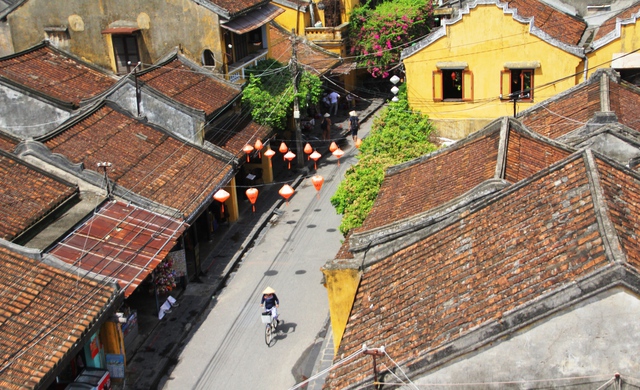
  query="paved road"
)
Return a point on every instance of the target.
[{"x": 228, "y": 350}]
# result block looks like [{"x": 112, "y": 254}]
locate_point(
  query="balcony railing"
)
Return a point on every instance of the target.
[
  {"x": 236, "y": 70},
  {"x": 327, "y": 33}
]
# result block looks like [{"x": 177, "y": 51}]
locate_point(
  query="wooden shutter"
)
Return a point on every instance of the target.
[
  {"x": 505, "y": 84},
  {"x": 437, "y": 86},
  {"x": 467, "y": 86}
]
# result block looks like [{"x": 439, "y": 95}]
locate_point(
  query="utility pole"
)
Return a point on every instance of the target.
[{"x": 296, "y": 102}]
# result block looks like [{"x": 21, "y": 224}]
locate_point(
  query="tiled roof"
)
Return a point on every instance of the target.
[
  {"x": 146, "y": 160},
  {"x": 190, "y": 86},
  {"x": 573, "y": 108},
  {"x": 231, "y": 6},
  {"x": 314, "y": 58},
  {"x": 232, "y": 135},
  {"x": 533, "y": 238},
  {"x": 103, "y": 244},
  {"x": 54, "y": 74},
  {"x": 44, "y": 311},
  {"x": 457, "y": 170},
  {"x": 557, "y": 24},
  {"x": 7, "y": 142},
  {"x": 610, "y": 24},
  {"x": 27, "y": 195}
]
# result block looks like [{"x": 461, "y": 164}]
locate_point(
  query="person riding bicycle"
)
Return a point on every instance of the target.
[{"x": 270, "y": 302}]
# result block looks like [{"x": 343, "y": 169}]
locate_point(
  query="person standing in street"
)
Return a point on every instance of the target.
[
  {"x": 354, "y": 125},
  {"x": 334, "y": 97},
  {"x": 325, "y": 126}
]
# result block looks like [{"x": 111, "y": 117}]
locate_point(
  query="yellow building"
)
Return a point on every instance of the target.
[
  {"x": 467, "y": 71},
  {"x": 616, "y": 44}
]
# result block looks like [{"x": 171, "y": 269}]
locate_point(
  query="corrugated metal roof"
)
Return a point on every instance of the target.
[
  {"x": 253, "y": 19},
  {"x": 121, "y": 241}
]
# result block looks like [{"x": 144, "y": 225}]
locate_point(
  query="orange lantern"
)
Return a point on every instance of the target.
[
  {"x": 308, "y": 149},
  {"x": 315, "y": 156},
  {"x": 221, "y": 196},
  {"x": 317, "y": 181},
  {"x": 247, "y": 149},
  {"x": 333, "y": 146},
  {"x": 289, "y": 156},
  {"x": 358, "y": 143},
  {"x": 269, "y": 153},
  {"x": 338, "y": 153},
  {"x": 286, "y": 191},
  {"x": 258, "y": 146},
  {"x": 252, "y": 194},
  {"x": 283, "y": 148}
]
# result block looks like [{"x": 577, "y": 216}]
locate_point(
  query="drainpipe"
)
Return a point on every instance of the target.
[
  {"x": 313, "y": 16},
  {"x": 586, "y": 67}
]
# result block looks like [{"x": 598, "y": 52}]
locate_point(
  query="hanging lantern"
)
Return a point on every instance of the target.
[
  {"x": 269, "y": 153},
  {"x": 247, "y": 149},
  {"x": 283, "y": 148},
  {"x": 258, "y": 145},
  {"x": 308, "y": 149},
  {"x": 338, "y": 153},
  {"x": 252, "y": 194},
  {"x": 358, "y": 143},
  {"x": 286, "y": 191},
  {"x": 454, "y": 76},
  {"x": 315, "y": 156},
  {"x": 289, "y": 156},
  {"x": 221, "y": 196},
  {"x": 333, "y": 146},
  {"x": 317, "y": 181}
]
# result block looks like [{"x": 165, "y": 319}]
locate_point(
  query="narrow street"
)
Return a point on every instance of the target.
[{"x": 228, "y": 350}]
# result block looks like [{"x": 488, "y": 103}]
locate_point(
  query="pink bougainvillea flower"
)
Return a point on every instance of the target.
[{"x": 389, "y": 44}]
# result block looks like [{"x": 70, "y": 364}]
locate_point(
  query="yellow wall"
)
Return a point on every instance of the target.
[
  {"x": 629, "y": 41},
  {"x": 341, "y": 285},
  {"x": 485, "y": 39},
  {"x": 288, "y": 19}
]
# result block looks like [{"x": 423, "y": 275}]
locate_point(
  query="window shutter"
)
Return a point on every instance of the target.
[
  {"x": 505, "y": 84},
  {"x": 437, "y": 86},
  {"x": 467, "y": 86}
]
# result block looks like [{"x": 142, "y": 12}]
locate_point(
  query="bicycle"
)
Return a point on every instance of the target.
[{"x": 270, "y": 328}]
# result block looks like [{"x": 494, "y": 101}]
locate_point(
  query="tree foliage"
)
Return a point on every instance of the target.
[
  {"x": 378, "y": 34},
  {"x": 269, "y": 93},
  {"x": 397, "y": 135}
]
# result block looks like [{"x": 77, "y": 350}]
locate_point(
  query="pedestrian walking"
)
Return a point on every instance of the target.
[
  {"x": 325, "y": 126},
  {"x": 333, "y": 98},
  {"x": 354, "y": 125}
]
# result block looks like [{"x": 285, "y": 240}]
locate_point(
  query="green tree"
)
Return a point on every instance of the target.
[
  {"x": 397, "y": 135},
  {"x": 269, "y": 93},
  {"x": 378, "y": 34}
]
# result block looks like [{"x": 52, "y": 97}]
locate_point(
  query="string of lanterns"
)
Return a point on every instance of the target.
[{"x": 286, "y": 191}]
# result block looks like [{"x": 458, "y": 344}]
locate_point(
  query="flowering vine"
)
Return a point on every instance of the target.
[
  {"x": 164, "y": 277},
  {"x": 379, "y": 34}
]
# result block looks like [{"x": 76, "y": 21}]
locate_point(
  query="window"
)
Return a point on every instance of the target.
[
  {"x": 125, "y": 49},
  {"x": 452, "y": 85},
  {"x": 517, "y": 83},
  {"x": 57, "y": 36},
  {"x": 208, "y": 60}
]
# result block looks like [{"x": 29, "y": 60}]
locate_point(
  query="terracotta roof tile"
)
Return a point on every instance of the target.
[
  {"x": 189, "y": 86},
  {"x": 7, "y": 142},
  {"x": 234, "y": 6},
  {"x": 610, "y": 24},
  {"x": 146, "y": 161},
  {"x": 456, "y": 171},
  {"x": 313, "y": 57},
  {"x": 55, "y": 74},
  {"x": 558, "y": 117},
  {"x": 478, "y": 268},
  {"x": 232, "y": 135},
  {"x": 38, "y": 301},
  {"x": 27, "y": 195},
  {"x": 557, "y": 24}
]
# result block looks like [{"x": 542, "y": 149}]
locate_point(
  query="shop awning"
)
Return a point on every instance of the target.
[
  {"x": 121, "y": 241},
  {"x": 253, "y": 19},
  {"x": 120, "y": 30}
]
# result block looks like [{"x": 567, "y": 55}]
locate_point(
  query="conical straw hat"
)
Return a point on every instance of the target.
[{"x": 268, "y": 290}]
